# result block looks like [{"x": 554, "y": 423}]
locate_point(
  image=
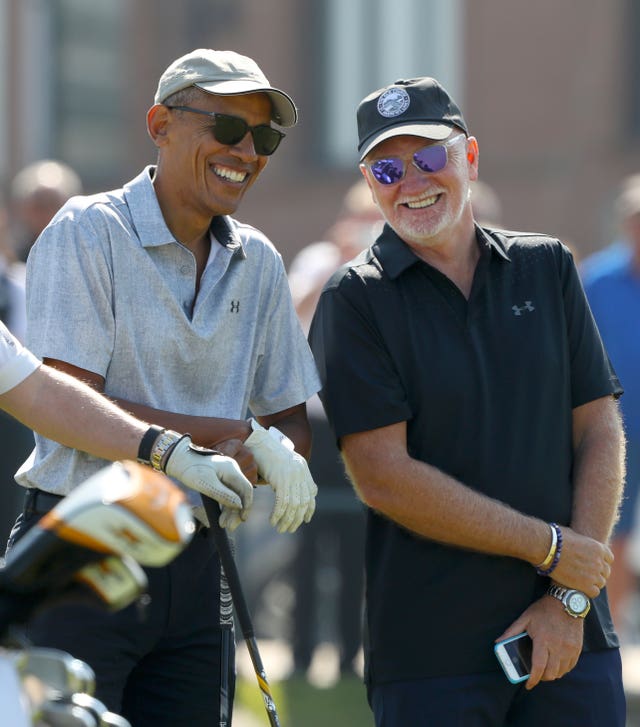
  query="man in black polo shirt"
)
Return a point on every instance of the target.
[{"x": 474, "y": 404}]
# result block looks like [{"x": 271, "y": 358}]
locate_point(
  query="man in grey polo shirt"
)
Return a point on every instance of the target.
[{"x": 155, "y": 295}]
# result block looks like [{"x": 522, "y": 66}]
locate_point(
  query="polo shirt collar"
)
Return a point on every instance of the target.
[
  {"x": 223, "y": 228},
  {"x": 396, "y": 256},
  {"x": 491, "y": 243},
  {"x": 149, "y": 223}
]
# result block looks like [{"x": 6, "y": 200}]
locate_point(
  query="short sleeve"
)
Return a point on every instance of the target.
[
  {"x": 361, "y": 388},
  {"x": 70, "y": 293},
  {"x": 286, "y": 373}
]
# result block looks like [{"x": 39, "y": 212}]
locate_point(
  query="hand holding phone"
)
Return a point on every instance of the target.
[{"x": 514, "y": 655}]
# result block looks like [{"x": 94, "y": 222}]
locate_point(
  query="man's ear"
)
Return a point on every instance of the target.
[
  {"x": 158, "y": 120},
  {"x": 472, "y": 156},
  {"x": 372, "y": 192},
  {"x": 363, "y": 171}
]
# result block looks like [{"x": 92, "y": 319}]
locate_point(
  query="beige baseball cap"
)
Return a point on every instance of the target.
[{"x": 225, "y": 73}]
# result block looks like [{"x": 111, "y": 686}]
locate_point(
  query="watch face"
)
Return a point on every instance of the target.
[{"x": 577, "y": 602}]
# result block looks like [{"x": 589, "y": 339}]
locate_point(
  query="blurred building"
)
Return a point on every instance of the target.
[{"x": 550, "y": 89}]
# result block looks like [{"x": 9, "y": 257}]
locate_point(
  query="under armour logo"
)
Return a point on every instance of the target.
[
  {"x": 517, "y": 310},
  {"x": 235, "y": 306}
]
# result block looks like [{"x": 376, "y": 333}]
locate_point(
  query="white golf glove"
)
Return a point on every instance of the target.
[
  {"x": 288, "y": 474},
  {"x": 213, "y": 475}
]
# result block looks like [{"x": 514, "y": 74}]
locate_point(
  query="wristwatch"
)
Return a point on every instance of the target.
[{"x": 575, "y": 603}]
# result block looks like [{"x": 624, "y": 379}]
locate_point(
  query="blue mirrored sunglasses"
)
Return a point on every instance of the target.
[{"x": 432, "y": 158}]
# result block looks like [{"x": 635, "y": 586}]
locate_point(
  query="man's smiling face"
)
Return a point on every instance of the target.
[{"x": 210, "y": 178}]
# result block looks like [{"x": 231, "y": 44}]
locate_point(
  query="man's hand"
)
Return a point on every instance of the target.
[
  {"x": 235, "y": 448},
  {"x": 213, "y": 475},
  {"x": 288, "y": 474},
  {"x": 557, "y": 639},
  {"x": 585, "y": 563}
]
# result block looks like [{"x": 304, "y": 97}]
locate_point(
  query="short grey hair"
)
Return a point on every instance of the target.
[{"x": 184, "y": 97}]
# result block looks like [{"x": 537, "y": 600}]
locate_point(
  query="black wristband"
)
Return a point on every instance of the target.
[{"x": 147, "y": 442}]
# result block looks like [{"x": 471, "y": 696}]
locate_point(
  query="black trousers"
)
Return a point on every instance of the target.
[
  {"x": 164, "y": 665},
  {"x": 17, "y": 443}
]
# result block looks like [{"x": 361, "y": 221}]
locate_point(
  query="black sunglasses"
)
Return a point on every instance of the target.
[{"x": 231, "y": 130}]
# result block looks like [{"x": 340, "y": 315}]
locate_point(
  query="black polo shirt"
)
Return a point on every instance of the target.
[{"x": 487, "y": 387}]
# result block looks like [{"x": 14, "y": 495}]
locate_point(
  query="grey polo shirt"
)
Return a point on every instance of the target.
[{"x": 110, "y": 290}]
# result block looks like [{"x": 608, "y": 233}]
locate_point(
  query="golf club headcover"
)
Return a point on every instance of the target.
[
  {"x": 124, "y": 509},
  {"x": 117, "y": 580},
  {"x": 287, "y": 472}
]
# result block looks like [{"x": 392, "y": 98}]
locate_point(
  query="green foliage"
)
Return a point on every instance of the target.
[{"x": 300, "y": 704}]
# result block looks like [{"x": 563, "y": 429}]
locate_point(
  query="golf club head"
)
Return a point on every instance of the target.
[
  {"x": 99, "y": 711},
  {"x": 114, "y": 720},
  {"x": 30, "y": 679},
  {"x": 15, "y": 706},
  {"x": 65, "y": 714},
  {"x": 59, "y": 673},
  {"x": 117, "y": 581}
]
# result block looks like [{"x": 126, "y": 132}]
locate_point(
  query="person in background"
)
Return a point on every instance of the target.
[
  {"x": 335, "y": 537},
  {"x": 157, "y": 296},
  {"x": 354, "y": 230},
  {"x": 37, "y": 193},
  {"x": 611, "y": 279},
  {"x": 475, "y": 408},
  {"x": 13, "y": 312}
]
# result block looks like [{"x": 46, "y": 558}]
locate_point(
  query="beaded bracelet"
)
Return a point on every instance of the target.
[{"x": 549, "y": 564}]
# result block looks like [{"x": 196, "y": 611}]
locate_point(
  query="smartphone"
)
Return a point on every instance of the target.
[{"x": 514, "y": 655}]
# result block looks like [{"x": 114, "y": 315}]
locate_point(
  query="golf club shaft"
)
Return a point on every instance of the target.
[{"x": 228, "y": 564}]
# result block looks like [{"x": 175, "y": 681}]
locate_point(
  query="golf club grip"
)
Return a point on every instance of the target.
[{"x": 229, "y": 565}]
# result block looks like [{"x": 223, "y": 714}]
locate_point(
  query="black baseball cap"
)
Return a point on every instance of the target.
[{"x": 416, "y": 106}]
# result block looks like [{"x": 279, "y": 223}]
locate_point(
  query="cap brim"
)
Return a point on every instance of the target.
[
  {"x": 436, "y": 132},
  {"x": 284, "y": 110}
]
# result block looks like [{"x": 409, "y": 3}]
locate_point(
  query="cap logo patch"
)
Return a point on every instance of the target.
[{"x": 393, "y": 102}]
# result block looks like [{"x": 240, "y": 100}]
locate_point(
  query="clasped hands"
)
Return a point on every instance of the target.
[
  {"x": 585, "y": 563},
  {"x": 557, "y": 637},
  {"x": 267, "y": 456}
]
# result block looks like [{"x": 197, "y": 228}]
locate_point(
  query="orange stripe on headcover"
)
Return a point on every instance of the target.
[
  {"x": 150, "y": 496},
  {"x": 154, "y": 499}
]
